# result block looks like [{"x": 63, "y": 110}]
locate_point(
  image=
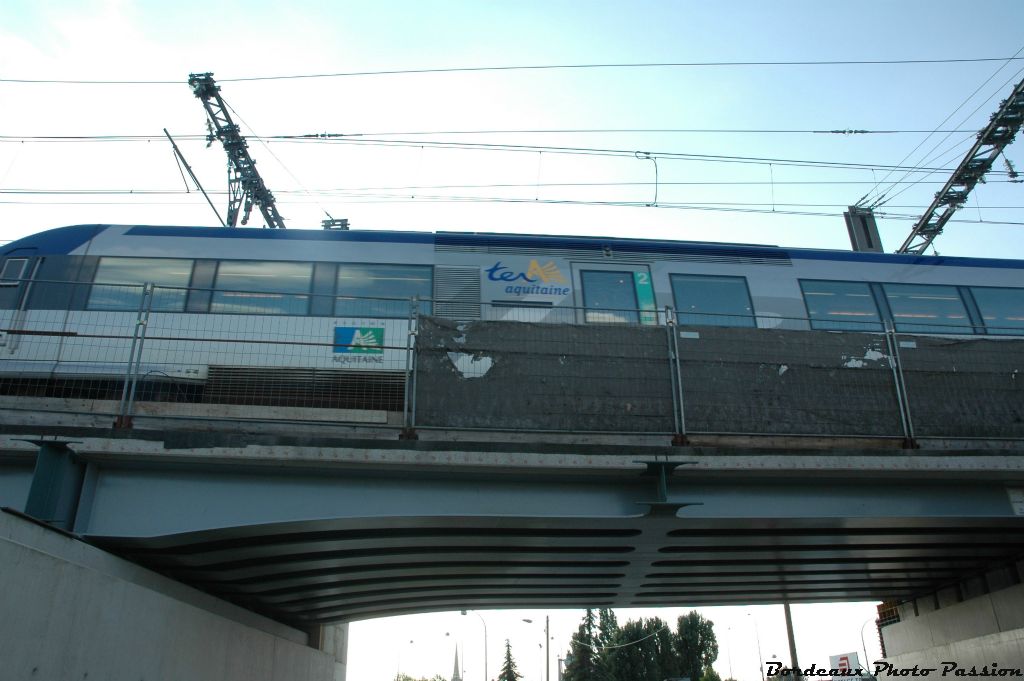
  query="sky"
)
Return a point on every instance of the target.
[
  {"x": 723, "y": 148},
  {"x": 741, "y": 164}
]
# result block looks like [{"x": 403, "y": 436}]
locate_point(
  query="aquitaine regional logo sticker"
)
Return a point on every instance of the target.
[{"x": 360, "y": 340}]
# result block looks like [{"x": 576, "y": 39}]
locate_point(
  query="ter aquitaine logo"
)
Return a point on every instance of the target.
[{"x": 362, "y": 340}]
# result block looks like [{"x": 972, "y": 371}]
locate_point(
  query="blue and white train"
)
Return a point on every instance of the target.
[{"x": 353, "y": 289}]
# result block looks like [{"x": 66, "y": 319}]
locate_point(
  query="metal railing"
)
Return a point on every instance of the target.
[{"x": 508, "y": 368}]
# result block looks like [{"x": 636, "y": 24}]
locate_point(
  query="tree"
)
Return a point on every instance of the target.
[
  {"x": 695, "y": 644},
  {"x": 508, "y": 669},
  {"x": 607, "y": 631},
  {"x": 711, "y": 675},
  {"x": 607, "y": 627},
  {"x": 643, "y": 651},
  {"x": 581, "y": 660}
]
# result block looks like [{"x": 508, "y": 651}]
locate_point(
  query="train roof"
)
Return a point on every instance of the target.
[{"x": 64, "y": 240}]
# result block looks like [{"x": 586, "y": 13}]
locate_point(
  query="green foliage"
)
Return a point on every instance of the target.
[
  {"x": 644, "y": 650},
  {"x": 406, "y": 677},
  {"x": 711, "y": 675},
  {"x": 607, "y": 633},
  {"x": 581, "y": 661},
  {"x": 508, "y": 668},
  {"x": 695, "y": 644}
]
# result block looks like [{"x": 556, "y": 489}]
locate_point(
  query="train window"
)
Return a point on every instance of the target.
[
  {"x": 262, "y": 287},
  {"x": 609, "y": 297},
  {"x": 707, "y": 300},
  {"x": 923, "y": 308},
  {"x": 1002, "y": 309},
  {"x": 841, "y": 306},
  {"x": 382, "y": 290},
  {"x": 118, "y": 283},
  {"x": 13, "y": 271}
]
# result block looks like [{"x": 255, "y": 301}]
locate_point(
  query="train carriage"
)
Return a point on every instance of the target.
[{"x": 226, "y": 300}]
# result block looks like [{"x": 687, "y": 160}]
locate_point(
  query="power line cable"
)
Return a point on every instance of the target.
[
  {"x": 342, "y": 138},
  {"x": 505, "y": 185},
  {"x": 881, "y": 195},
  {"x": 537, "y": 67},
  {"x": 591, "y": 151},
  {"x": 976, "y": 109},
  {"x": 412, "y": 133},
  {"x": 271, "y": 152},
  {"x": 568, "y": 202},
  {"x": 968, "y": 139},
  {"x": 950, "y": 154}
]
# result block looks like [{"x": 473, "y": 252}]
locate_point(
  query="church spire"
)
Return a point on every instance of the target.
[{"x": 456, "y": 676}]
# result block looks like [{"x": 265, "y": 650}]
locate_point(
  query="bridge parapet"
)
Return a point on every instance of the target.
[{"x": 549, "y": 378}]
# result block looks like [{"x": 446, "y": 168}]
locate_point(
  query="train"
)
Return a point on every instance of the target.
[{"x": 346, "y": 298}]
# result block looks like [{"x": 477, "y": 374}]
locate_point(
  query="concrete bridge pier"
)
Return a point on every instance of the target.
[{"x": 978, "y": 623}]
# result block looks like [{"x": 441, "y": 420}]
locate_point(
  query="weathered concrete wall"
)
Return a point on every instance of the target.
[
  {"x": 788, "y": 382},
  {"x": 71, "y": 611},
  {"x": 514, "y": 375},
  {"x": 979, "y": 631},
  {"x": 964, "y": 387}
]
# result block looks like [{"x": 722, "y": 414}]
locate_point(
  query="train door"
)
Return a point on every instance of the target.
[{"x": 614, "y": 293}]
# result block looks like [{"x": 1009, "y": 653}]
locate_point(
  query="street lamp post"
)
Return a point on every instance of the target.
[
  {"x": 757, "y": 636},
  {"x": 484, "y": 622},
  {"x": 862, "y": 644},
  {"x": 547, "y": 645},
  {"x": 728, "y": 644}
]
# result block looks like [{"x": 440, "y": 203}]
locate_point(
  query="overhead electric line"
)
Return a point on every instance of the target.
[
  {"x": 881, "y": 194},
  {"x": 529, "y": 67},
  {"x": 1000, "y": 132},
  {"x": 337, "y": 138},
  {"x": 343, "y": 138},
  {"x": 538, "y": 131},
  {"x": 506, "y": 185},
  {"x": 404, "y": 198}
]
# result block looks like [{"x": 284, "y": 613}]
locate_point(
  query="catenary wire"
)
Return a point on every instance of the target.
[
  {"x": 567, "y": 202},
  {"x": 1013, "y": 78},
  {"x": 537, "y": 131},
  {"x": 339, "y": 138},
  {"x": 881, "y": 194},
  {"x": 536, "y": 67}
]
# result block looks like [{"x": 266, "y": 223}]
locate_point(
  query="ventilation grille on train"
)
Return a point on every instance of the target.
[
  {"x": 457, "y": 292},
  {"x": 311, "y": 388},
  {"x": 639, "y": 252}
]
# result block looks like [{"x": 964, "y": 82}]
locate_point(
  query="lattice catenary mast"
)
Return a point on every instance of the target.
[
  {"x": 1001, "y": 130},
  {"x": 245, "y": 186}
]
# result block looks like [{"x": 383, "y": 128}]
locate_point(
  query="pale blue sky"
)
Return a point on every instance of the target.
[
  {"x": 371, "y": 184},
  {"x": 401, "y": 187}
]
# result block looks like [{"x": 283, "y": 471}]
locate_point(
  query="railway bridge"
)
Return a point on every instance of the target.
[{"x": 229, "y": 525}]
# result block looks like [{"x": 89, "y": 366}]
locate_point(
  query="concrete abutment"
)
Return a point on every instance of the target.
[{"x": 72, "y": 611}]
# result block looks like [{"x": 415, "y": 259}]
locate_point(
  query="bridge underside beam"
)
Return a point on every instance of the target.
[{"x": 316, "y": 535}]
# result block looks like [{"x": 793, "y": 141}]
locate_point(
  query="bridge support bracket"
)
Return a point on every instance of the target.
[
  {"x": 662, "y": 507},
  {"x": 56, "y": 484},
  {"x": 408, "y": 433}
]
